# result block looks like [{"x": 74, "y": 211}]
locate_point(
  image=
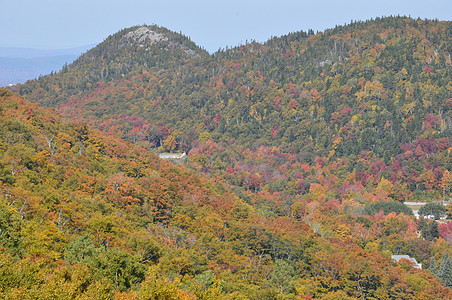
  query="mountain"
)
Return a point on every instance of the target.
[
  {"x": 126, "y": 52},
  {"x": 301, "y": 150},
  {"x": 377, "y": 87},
  {"x": 21, "y": 64}
]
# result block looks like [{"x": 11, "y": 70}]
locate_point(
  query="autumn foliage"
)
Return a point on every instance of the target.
[{"x": 301, "y": 152}]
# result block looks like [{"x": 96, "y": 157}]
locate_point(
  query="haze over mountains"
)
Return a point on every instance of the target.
[
  {"x": 18, "y": 65},
  {"x": 301, "y": 153}
]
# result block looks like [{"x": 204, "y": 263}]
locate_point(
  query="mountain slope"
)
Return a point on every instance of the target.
[
  {"x": 63, "y": 186},
  {"x": 380, "y": 87},
  {"x": 122, "y": 55},
  {"x": 85, "y": 215}
]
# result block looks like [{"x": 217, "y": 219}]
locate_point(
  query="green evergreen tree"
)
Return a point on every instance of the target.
[
  {"x": 388, "y": 207},
  {"x": 430, "y": 231},
  {"x": 422, "y": 225},
  {"x": 433, "y": 267},
  {"x": 445, "y": 270},
  {"x": 433, "y": 229},
  {"x": 433, "y": 209}
]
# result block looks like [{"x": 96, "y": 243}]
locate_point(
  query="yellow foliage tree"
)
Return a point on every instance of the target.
[{"x": 170, "y": 143}]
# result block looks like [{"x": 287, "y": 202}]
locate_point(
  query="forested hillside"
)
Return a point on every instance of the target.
[
  {"x": 85, "y": 215},
  {"x": 301, "y": 151},
  {"x": 380, "y": 87}
]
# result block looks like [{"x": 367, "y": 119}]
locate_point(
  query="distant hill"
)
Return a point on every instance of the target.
[
  {"x": 15, "y": 52},
  {"x": 17, "y": 65},
  {"x": 19, "y": 70}
]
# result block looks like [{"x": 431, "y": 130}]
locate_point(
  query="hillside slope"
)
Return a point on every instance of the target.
[
  {"x": 85, "y": 215},
  {"x": 119, "y": 57},
  {"x": 381, "y": 87}
]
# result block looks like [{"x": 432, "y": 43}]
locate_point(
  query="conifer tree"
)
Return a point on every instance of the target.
[
  {"x": 445, "y": 270},
  {"x": 422, "y": 225},
  {"x": 431, "y": 231},
  {"x": 436, "y": 210},
  {"x": 432, "y": 266}
]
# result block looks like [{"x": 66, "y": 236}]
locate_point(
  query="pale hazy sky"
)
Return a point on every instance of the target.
[{"x": 211, "y": 24}]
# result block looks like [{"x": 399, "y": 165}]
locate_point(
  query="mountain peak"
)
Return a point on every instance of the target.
[
  {"x": 135, "y": 48},
  {"x": 144, "y": 35},
  {"x": 149, "y": 35},
  {"x": 154, "y": 40}
]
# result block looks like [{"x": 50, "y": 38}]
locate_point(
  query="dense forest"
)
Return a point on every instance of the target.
[{"x": 302, "y": 151}]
